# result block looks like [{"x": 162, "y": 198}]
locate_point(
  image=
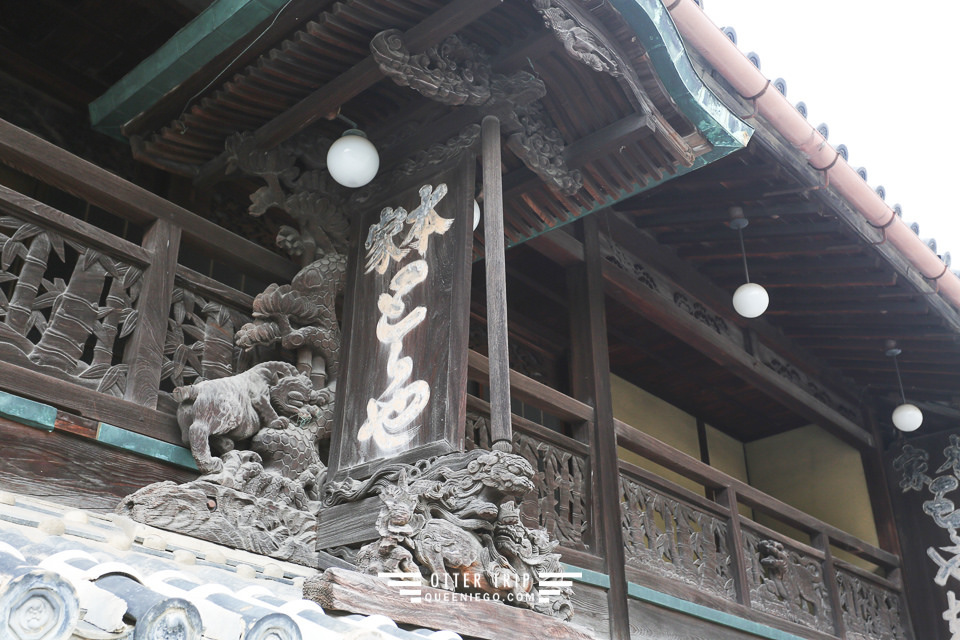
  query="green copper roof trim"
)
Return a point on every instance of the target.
[
  {"x": 597, "y": 579},
  {"x": 145, "y": 445},
  {"x": 658, "y": 35},
  {"x": 28, "y": 412},
  {"x": 208, "y": 35},
  {"x": 655, "y": 29}
]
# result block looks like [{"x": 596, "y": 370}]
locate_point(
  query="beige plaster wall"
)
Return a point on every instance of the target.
[
  {"x": 669, "y": 424},
  {"x": 817, "y": 473}
]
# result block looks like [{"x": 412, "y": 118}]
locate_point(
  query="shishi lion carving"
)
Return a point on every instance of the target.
[{"x": 225, "y": 411}]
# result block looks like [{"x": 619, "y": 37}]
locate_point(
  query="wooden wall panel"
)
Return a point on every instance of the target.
[{"x": 74, "y": 471}]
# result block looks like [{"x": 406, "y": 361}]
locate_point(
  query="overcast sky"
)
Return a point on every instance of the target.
[{"x": 883, "y": 76}]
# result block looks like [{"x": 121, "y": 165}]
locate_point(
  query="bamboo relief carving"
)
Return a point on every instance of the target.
[
  {"x": 666, "y": 536},
  {"x": 786, "y": 582},
  {"x": 200, "y": 340},
  {"x": 558, "y": 503},
  {"x": 869, "y": 610},
  {"x": 51, "y": 290}
]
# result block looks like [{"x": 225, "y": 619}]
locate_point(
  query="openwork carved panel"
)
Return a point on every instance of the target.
[
  {"x": 786, "y": 370},
  {"x": 786, "y": 582},
  {"x": 559, "y": 502},
  {"x": 870, "y": 611},
  {"x": 200, "y": 341},
  {"x": 667, "y": 536},
  {"x": 67, "y": 309}
]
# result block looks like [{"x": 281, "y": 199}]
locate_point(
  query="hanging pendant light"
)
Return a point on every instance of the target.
[
  {"x": 906, "y": 417},
  {"x": 352, "y": 160},
  {"x": 750, "y": 300}
]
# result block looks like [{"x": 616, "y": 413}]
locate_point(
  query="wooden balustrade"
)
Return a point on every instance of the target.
[
  {"x": 103, "y": 327},
  {"x": 705, "y": 551}
]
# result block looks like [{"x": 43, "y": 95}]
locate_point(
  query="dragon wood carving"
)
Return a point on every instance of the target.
[{"x": 454, "y": 521}]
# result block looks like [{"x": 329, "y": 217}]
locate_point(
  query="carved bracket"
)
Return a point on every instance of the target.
[
  {"x": 580, "y": 42},
  {"x": 457, "y": 72}
]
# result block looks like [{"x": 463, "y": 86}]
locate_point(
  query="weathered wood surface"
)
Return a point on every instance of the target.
[
  {"x": 35, "y": 212},
  {"x": 495, "y": 271},
  {"x": 343, "y": 590},
  {"x": 144, "y": 351},
  {"x": 534, "y": 393},
  {"x": 54, "y": 166},
  {"x": 348, "y": 524},
  {"x": 590, "y": 381},
  {"x": 74, "y": 471},
  {"x": 382, "y": 413}
]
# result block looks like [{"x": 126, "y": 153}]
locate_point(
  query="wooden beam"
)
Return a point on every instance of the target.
[
  {"x": 721, "y": 349},
  {"x": 797, "y": 164},
  {"x": 600, "y": 142},
  {"x": 673, "y": 459},
  {"x": 54, "y": 166},
  {"x": 90, "y": 404},
  {"x": 669, "y": 216},
  {"x": 343, "y": 590}
]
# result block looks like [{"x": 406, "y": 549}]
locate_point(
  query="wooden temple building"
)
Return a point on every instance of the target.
[{"x": 511, "y": 356}]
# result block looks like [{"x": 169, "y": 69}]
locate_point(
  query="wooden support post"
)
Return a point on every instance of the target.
[
  {"x": 591, "y": 384},
  {"x": 144, "y": 351},
  {"x": 728, "y": 498},
  {"x": 876, "y": 474},
  {"x": 500, "y": 428},
  {"x": 822, "y": 541}
]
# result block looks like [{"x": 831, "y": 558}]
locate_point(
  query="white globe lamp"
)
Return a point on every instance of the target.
[
  {"x": 476, "y": 215},
  {"x": 352, "y": 160},
  {"x": 750, "y": 300},
  {"x": 907, "y": 417}
]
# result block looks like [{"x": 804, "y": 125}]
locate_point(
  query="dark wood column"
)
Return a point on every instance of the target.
[
  {"x": 495, "y": 262},
  {"x": 590, "y": 381}
]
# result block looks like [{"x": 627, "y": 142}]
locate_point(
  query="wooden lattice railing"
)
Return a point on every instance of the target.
[{"x": 702, "y": 550}]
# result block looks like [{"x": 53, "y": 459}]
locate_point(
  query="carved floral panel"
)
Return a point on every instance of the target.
[
  {"x": 672, "y": 538},
  {"x": 786, "y": 582},
  {"x": 67, "y": 309},
  {"x": 869, "y": 610},
  {"x": 559, "y": 502}
]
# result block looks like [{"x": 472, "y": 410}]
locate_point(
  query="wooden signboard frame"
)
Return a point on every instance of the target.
[{"x": 429, "y": 323}]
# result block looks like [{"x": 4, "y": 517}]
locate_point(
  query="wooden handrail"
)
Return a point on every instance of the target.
[
  {"x": 29, "y": 210},
  {"x": 534, "y": 393},
  {"x": 531, "y": 428},
  {"x": 55, "y": 166}
]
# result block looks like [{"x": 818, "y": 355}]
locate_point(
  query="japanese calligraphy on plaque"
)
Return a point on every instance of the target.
[
  {"x": 406, "y": 324},
  {"x": 917, "y": 472}
]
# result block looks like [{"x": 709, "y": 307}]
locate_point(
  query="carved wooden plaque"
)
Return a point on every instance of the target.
[{"x": 402, "y": 390}]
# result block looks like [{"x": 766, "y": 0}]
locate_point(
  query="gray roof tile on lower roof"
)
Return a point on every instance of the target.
[{"x": 109, "y": 574}]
